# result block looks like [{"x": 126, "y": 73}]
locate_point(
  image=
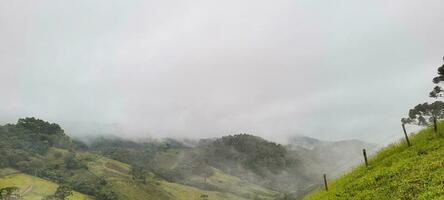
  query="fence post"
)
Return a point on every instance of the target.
[
  {"x": 365, "y": 157},
  {"x": 435, "y": 125},
  {"x": 325, "y": 182},
  {"x": 405, "y": 134}
]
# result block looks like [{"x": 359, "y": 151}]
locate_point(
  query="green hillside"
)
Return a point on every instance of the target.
[
  {"x": 35, "y": 155},
  {"x": 119, "y": 180},
  {"x": 396, "y": 172},
  {"x": 30, "y": 187},
  {"x": 117, "y": 174},
  {"x": 218, "y": 180},
  {"x": 242, "y": 166}
]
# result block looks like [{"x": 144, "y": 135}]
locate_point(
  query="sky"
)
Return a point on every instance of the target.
[{"x": 347, "y": 69}]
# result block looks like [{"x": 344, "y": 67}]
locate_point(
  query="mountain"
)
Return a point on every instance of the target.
[
  {"x": 37, "y": 156},
  {"x": 40, "y": 157},
  {"x": 396, "y": 172},
  {"x": 244, "y": 165},
  {"x": 304, "y": 142},
  {"x": 334, "y": 157}
]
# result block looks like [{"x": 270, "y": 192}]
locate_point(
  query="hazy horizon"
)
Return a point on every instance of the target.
[{"x": 199, "y": 69}]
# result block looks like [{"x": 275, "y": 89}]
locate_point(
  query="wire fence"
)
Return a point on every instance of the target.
[
  {"x": 340, "y": 168},
  {"x": 353, "y": 162}
]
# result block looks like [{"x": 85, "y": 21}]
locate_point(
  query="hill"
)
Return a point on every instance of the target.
[
  {"x": 238, "y": 166},
  {"x": 31, "y": 187},
  {"x": 203, "y": 166},
  {"x": 36, "y": 156},
  {"x": 396, "y": 172},
  {"x": 119, "y": 178}
]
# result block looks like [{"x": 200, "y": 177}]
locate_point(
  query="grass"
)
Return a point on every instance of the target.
[
  {"x": 116, "y": 174},
  {"x": 119, "y": 180},
  {"x": 169, "y": 159},
  {"x": 183, "y": 192},
  {"x": 396, "y": 172},
  {"x": 219, "y": 180},
  {"x": 236, "y": 186},
  {"x": 33, "y": 188}
]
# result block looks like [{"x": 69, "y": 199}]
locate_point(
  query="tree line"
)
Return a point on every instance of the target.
[{"x": 424, "y": 113}]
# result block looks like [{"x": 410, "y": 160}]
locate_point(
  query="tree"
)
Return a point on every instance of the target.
[
  {"x": 204, "y": 196},
  {"x": 106, "y": 195},
  {"x": 437, "y": 90},
  {"x": 196, "y": 164},
  {"x": 138, "y": 174},
  {"x": 9, "y": 193},
  {"x": 39, "y": 126},
  {"x": 62, "y": 193},
  {"x": 423, "y": 114},
  {"x": 72, "y": 163}
]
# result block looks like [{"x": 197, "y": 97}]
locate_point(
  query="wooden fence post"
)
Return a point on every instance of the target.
[
  {"x": 435, "y": 125},
  {"x": 365, "y": 157},
  {"x": 325, "y": 182},
  {"x": 405, "y": 134}
]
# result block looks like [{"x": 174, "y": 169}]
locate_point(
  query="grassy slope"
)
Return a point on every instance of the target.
[
  {"x": 396, "y": 172},
  {"x": 219, "y": 179},
  {"x": 116, "y": 173},
  {"x": 236, "y": 186},
  {"x": 32, "y": 188}
]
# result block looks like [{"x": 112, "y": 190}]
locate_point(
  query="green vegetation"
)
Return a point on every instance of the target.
[
  {"x": 262, "y": 167},
  {"x": 33, "y": 188},
  {"x": 396, "y": 172},
  {"x": 35, "y": 152},
  {"x": 62, "y": 193},
  {"x": 119, "y": 178},
  {"x": 425, "y": 113},
  {"x": 256, "y": 160},
  {"x": 10, "y": 192},
  {"x": 437, "y": 90},
  {"x": 41, "y": 149},
  {"x": 183, "y": 192},
  {"x": 251, "y": 152},
  {"x": 236, "y": 185}
]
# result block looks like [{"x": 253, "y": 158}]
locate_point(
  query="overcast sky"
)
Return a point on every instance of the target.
[{"x": 176, "y": 68}]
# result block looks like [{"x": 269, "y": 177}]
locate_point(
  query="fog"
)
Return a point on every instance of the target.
[{"x": 193, "y": 69}]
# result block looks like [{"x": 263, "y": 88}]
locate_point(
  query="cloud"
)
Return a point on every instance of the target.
[{"x": 207, "y": 68}]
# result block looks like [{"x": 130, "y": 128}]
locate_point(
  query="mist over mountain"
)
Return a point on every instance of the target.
[
  {"x": 332, "y": 157},
  {"x": 261, "y": 169},
  {"x": 220, "y": 100},
  {"x": 203, "y": 69}
]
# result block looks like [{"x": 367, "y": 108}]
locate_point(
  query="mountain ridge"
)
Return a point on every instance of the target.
[{"x": 235, "y": 166}]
